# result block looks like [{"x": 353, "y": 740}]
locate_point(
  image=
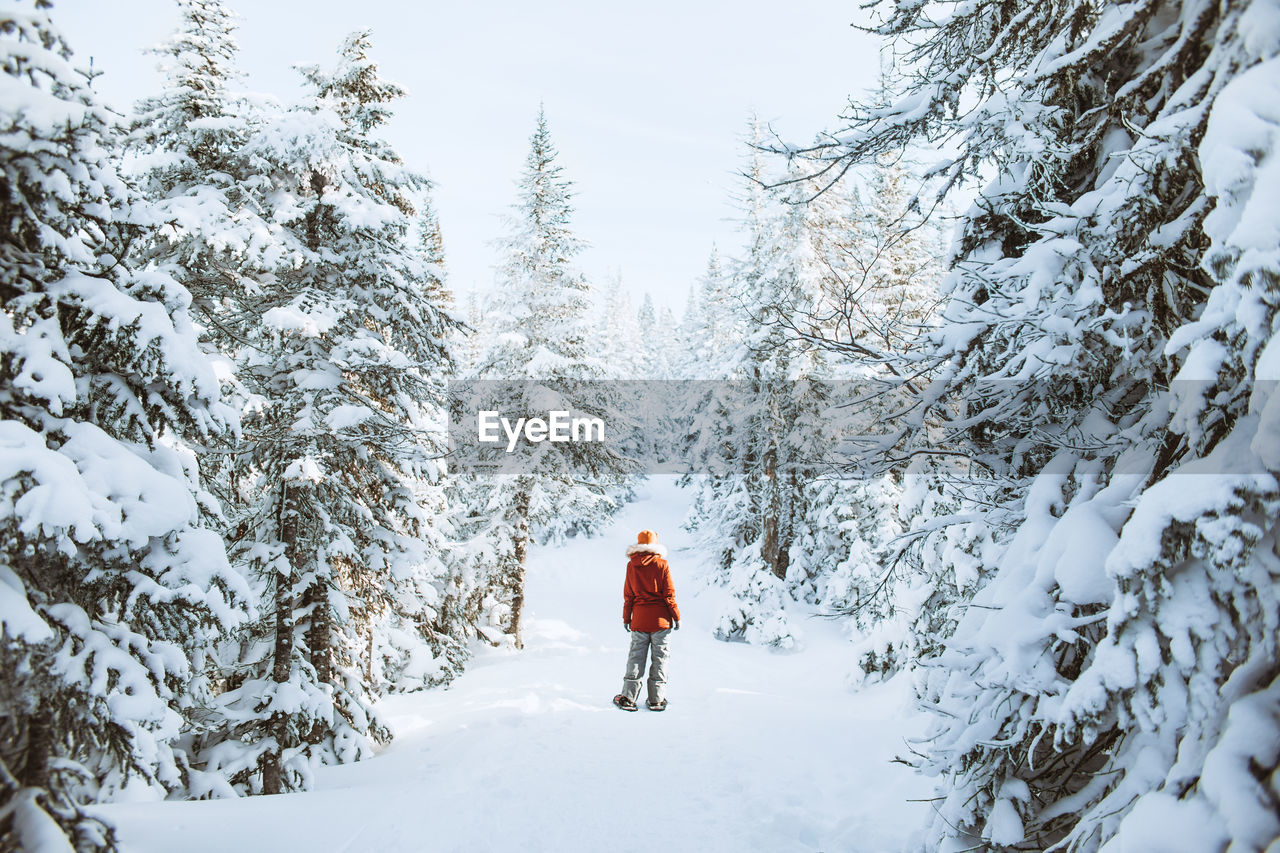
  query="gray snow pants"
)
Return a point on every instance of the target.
[{"x": 641, "y": 643}]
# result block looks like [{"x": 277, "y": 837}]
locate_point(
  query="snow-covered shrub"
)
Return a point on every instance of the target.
[{"x": 755, "y": 610}]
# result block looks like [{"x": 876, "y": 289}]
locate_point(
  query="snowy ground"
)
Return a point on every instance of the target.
[{"x": 758, "y": 751}]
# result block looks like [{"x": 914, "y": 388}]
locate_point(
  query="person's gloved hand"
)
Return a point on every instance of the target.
[
  {"x": 675, "y": 623},
  {"x": 627, "y": 625}
]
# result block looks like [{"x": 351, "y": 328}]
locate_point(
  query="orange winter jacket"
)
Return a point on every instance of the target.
[{"x": 648, "y": 596}]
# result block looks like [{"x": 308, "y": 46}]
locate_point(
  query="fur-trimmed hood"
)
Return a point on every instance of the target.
[{"x": 650, "y": 548}]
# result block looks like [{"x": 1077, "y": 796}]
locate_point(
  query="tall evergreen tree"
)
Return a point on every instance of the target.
[
  {"x": 725, "y": 514},
  {"x": 541, "y": 350},
  {"x": 113, "y": 587},
  {"x": 472, "y": 346},
  {"x": 758, "y": 507},
  {"x": 692, "y": 323},
  {"x": 186, "y": 148},
  {"x": 720, "y": 514},
  {"x": 879, "y": 269},
  {"x": 620, "y": 344},
  {"x": 550, "y": 299},
  {"x": 656, "y": 345},
  {"x": 199, "y": 186},
  {"x": 1093, "y": 694},
  {"x": 717, "y": 512},
  {"x": 346, "y": 365},
  {"x": 432, "y": 236},
  {"x": 714, "y": 330}
]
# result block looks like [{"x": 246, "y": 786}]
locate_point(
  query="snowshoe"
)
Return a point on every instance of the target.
[
  {"x": 657, "y": 706},
  {"x": 624, "y": 703}
]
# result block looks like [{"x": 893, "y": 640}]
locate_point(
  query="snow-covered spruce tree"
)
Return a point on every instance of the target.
[
  {"x": 667, "y": 334},
  {"x": 885, "y": 298},
  {"x": 203, "y": 192},
  {"x": 540, "y": 352},
  {"x": 657, "y": 341},
  {"x": 1197, "y": 565},
  {"x": 1112, "y": 686},
  {"x": 881, "y": 260},
  {"x": 783, "y": 435},
  {"x": 618, "y": 342},
  {"x": 415, "y": 638},
  {"x": 787, "y": 416},
  {"x": 712, "y": 440},
  {"x": 715, "y": 329},
  {"x": 691, "y": 323},
  {"x": 111, "y": 587},
  {"x": 397, "y": 272},
  {"x": 346, "y": 364},
  {"x": 724, "y": 441},
  {"x": 186, "y": 153},
  {"x": 432, "y": 236},
  {"x": 718, "y": 442}
]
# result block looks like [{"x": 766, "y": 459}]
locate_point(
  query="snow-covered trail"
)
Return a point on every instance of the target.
[{"x": 524, "y": 752}]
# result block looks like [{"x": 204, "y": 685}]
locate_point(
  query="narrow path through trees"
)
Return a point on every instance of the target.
[{"x": 759, "y": 750}]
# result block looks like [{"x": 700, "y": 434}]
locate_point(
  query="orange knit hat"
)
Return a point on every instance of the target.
[{"x": 647, "y": 543}]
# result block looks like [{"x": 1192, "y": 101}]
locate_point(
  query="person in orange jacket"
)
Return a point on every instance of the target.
[{"x": 650, "y": 614}]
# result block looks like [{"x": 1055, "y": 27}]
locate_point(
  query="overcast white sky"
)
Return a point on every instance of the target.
[{"x": 647, "y": 103}]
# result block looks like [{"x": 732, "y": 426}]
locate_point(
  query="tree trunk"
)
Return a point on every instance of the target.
[
  {"x": 770, "y": 549},
  {"x": 319, "y": 645},
  {"x": 787, "y": 529},
  {"x": 518, "y": 570},
  {"x": 771, "y": 508},
  {"x": 272, "y": 772},
  {"x": 35, "y": 769},
  {"x": 320, "y": 633},
  {"x": 316, "y": 217}
]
